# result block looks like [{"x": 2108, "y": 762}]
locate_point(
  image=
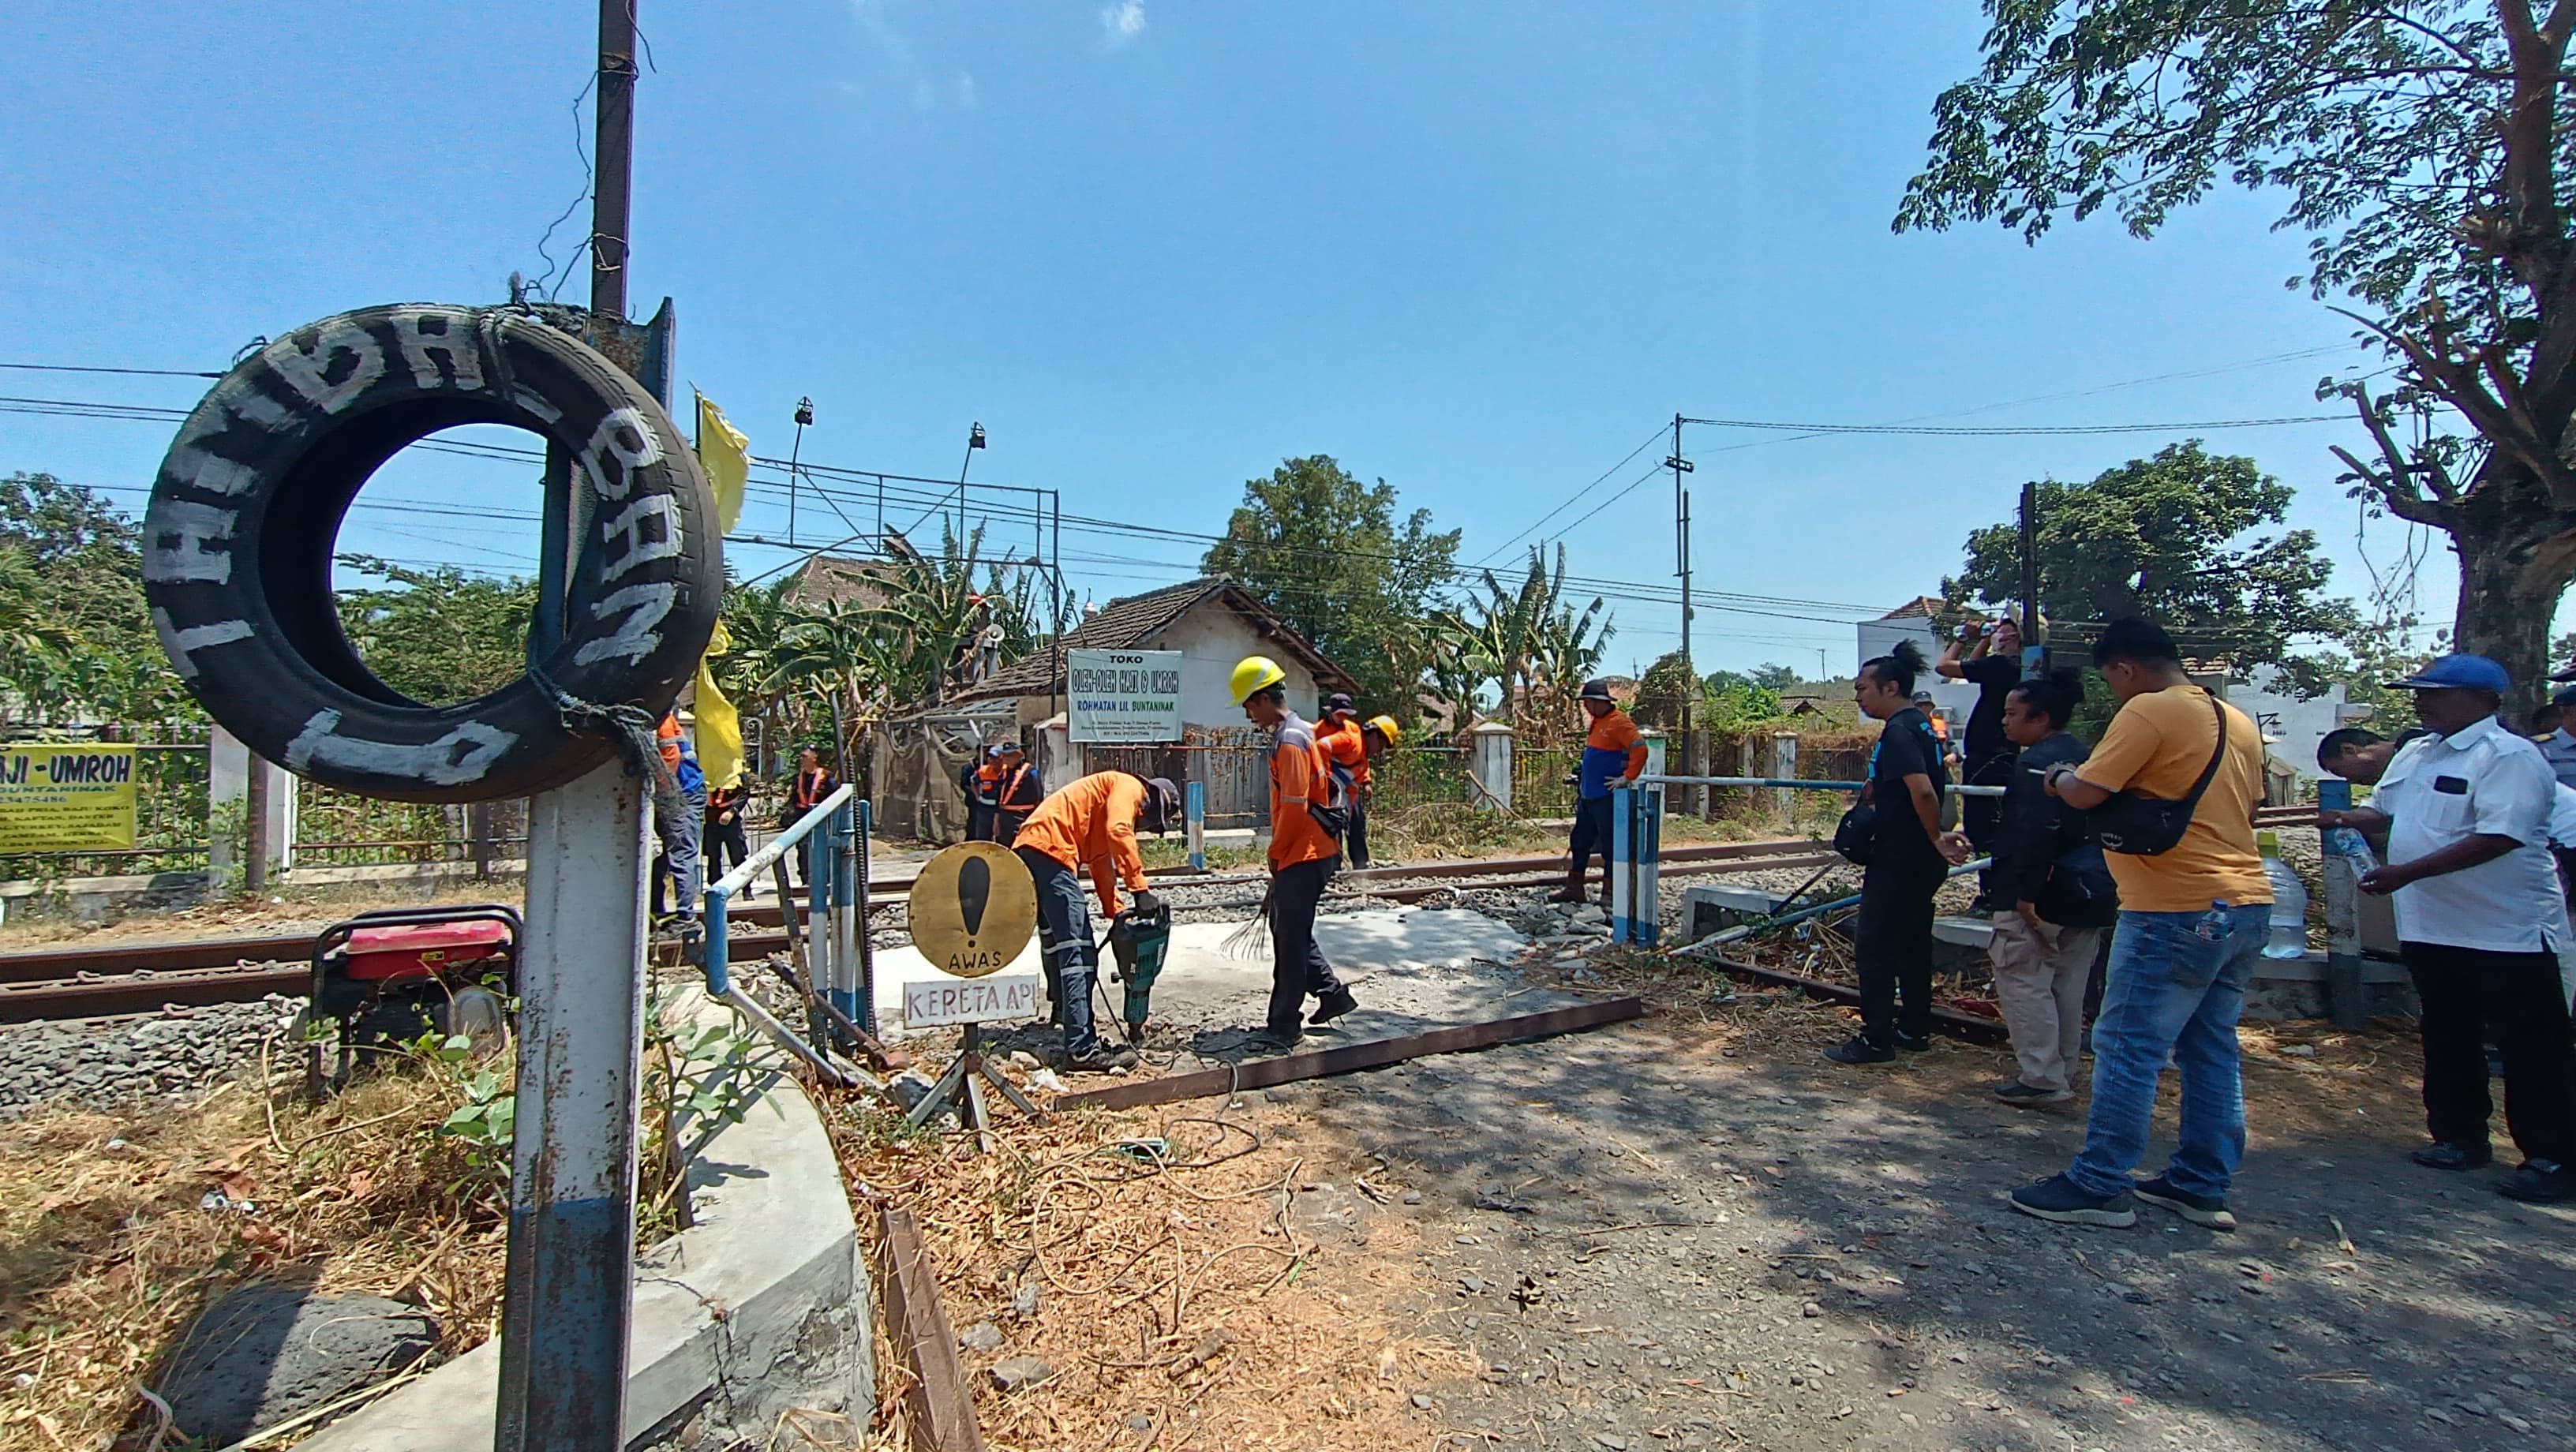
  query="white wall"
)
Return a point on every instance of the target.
[
  {"x": 1878, "y": 637},
  {"x": 2296, "y": 726},
  {"x": 1211, "y": 638}
]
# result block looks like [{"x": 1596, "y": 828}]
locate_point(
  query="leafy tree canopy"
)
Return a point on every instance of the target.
[
  {"x": 1324, "y": 551},
  {"x": 2420, "y": 146},
  {"x": 2180, "y": 539},
  {"x": 439, "y": 634},
  {"x": 76, "y": 642}
]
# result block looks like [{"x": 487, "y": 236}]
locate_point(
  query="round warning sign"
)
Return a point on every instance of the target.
[{"x": 973, "y": 909}]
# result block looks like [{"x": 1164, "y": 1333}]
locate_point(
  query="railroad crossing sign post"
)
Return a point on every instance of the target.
[{"x": 972, "y": 911}]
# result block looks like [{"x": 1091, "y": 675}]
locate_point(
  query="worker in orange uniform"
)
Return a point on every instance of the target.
[
  {"x": 1345, "y": 746},
  {"x": 1091, "y": 823},
  {"x": 1306, "y": 819},
  {"x": 1021, "y": 791},
  {"x": 1614, "y": 751},
  {"x": 981, "y": 779}
]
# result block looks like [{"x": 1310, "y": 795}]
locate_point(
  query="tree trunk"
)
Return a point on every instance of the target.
[{"x": 2517, "y": 554}]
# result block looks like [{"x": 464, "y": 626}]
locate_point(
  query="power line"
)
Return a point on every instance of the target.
[
  {"x": 87, "y": 368},
  {"x": 1574, "y": 497},
  {"x": 2017, "y": 430}
]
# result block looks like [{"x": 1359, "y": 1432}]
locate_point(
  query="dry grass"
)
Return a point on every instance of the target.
[
  {"x": 1183, "y": 1300},
  {"x": 107, "y": 1253}
]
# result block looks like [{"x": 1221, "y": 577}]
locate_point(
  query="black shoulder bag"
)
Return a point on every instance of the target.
[{"x": 2141, "y": 826}]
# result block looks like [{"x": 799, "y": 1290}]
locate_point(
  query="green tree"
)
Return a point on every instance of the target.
[
  {"x": 2178, "y": 539},
  {"x": 2421, "y": 148},
  {"x": 1324, "y": 551},
  {"x": 1527, "y": 640},
  {"x": 76, "y": 641},
  {"x": 438, "y": 634}
]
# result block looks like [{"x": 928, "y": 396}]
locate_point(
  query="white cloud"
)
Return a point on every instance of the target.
[{"x": 1123, "y": 21}]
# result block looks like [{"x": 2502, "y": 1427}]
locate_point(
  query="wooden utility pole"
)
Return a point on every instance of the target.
[{"x": 611, "y": 187}]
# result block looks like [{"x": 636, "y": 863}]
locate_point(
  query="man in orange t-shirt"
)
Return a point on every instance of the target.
[
  {"x": 1303, "y": 855},
  {"x": 1089, "y": 824},
  {"x": 2193, "y": 920}
]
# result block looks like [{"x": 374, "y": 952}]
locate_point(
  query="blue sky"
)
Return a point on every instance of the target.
[{"x": 1479, "y": 251}]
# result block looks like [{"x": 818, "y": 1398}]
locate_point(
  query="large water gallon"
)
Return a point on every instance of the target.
[{"x": 2289, "y": 937}]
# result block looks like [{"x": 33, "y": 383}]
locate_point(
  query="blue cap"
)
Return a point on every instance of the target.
[
  {"x": 995, "y": 749},
  {"x": 2566, "y": 696},
  {"x": 2458, "y": 672}
]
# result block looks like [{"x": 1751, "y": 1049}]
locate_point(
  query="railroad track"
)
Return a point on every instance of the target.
[{"x": 99, "y": 982}]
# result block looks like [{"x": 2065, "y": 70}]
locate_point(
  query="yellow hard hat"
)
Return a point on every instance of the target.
[
  {"x": 1254, "y": 673},
  {"x": 1385, "y": 726}
]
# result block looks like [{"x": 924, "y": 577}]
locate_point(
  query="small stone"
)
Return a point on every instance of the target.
[
  {"x": 1019, "y": 1373},
  {"x": 1611, "y": 1440},
  {"x": 2517, "y": 1423},
  {"x": 1140, "y": 1422},
  {"x": 1811, "y": 1310},
  {"x": 1421, "y": 1403},
  {"x": 1024, "y": 1301},
  {"x": 983, "y": 1337},
  {"x": 1411, "y": 1197}
]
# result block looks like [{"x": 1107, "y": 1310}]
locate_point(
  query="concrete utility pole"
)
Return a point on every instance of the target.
[
  {"x": 2031, "y": 652},
  {"x": 1682, "y": 568},
  {"x": 569, "y": 1282}
]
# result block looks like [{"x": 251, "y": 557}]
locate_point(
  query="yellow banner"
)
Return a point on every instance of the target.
[
  {"x": 725, "y": 454},
  {"x": 719, "y": 731},
  {"x": 66, "y": 797}
]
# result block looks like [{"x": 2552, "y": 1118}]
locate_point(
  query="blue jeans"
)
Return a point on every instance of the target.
[{"x": 2176, "y": 987}]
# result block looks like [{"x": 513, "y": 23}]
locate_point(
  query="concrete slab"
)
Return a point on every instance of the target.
[{"x": 1412, "y": 968}]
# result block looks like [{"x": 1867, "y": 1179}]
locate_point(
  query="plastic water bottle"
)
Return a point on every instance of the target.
[
  {"x": 2348, "y": 843},
  {"x": 2289, "y": 938}
]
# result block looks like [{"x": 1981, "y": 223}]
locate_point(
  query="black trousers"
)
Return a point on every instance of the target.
[
  {"x": 1355, "y": 836},
  {"x": 1982, "y": 818},
  {"x": 1070, "y": 958},
  {"x": 725, "y": 839},
  {"x": 979, "y": 822},
  {"x": 1591, "y": 832},
  {"x": 1892, "y": 941},
  {"x": 2468, "y": 993},
  {"x": 1297, "y": 966}
]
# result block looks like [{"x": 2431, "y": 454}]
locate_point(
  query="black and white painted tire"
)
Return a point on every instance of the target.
[{"x": 237, "y": 549}]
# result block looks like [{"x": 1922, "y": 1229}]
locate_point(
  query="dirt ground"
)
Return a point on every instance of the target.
[{"x": 1692, "y": 1231}]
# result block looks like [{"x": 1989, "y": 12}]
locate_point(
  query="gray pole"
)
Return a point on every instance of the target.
[
  {"x": 570, "y": 1269},
  {"x": 2029, "y": 568},
  {"x": 255, "y": 843}
]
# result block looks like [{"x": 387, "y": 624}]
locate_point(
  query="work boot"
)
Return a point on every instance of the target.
[
  {"x": 1573, "y": 889},
  {"x": 1101, "y": 1059},
  {"x": 1333, "y": 1006}
]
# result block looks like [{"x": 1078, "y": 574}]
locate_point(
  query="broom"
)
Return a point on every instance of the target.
[{"x": 1251, "y": 942}]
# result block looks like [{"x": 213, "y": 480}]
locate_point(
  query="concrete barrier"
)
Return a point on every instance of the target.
[{"x": 764, "y": 1304}]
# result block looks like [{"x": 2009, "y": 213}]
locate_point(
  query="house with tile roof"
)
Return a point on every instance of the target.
[{"x": 1212, "y": 621}]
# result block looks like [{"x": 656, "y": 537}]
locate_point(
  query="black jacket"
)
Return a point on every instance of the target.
[{"x": 2037, "y": 828}]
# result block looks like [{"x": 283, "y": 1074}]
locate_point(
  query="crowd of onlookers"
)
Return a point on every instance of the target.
[{"x": 2147, "y": 836}]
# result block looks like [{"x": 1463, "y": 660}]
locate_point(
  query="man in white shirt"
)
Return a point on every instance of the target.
[
  {"x": 2558, "y": 748},
  {"x": 2465, "y": 814}
]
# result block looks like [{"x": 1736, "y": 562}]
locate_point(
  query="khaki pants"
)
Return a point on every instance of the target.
[{"x": 2039, "y": 983}]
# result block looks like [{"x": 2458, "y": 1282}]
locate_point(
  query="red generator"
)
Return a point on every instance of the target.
[{"x": 385, "y": 978}]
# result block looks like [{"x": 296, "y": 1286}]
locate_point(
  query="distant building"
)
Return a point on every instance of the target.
[{"x": 1213, "y": 622}]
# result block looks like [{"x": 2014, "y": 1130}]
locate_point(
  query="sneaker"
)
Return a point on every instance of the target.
[
  {"x": 2539, "y": 1182},
  {"x": 2202, "y": 1210},
  {"x": 1102, "y": 1059},
  {"x": 2454, "y": 1156},
  {"x": 1913, "y": 1043},
  {"x": 2014, "y": 1091},
  {"x": 1860, "y": 1050},
  {"x": 2062, "y": 1200},
  {"x": 1333, "y": 1006}
]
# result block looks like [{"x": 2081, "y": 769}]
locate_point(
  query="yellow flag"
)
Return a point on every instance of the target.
[
  {"x": 719, "y": 725},
  {"x": 725, "y": 455}
]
